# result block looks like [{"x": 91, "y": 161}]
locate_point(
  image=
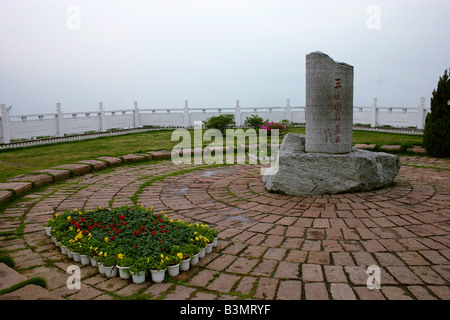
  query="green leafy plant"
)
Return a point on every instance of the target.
[
  {"x": 221, "y": 122},
  {"x": 254, "y": 121},
  {"x": 140, "y": 265}
]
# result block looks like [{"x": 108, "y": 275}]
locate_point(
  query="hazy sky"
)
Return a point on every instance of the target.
[{"x": 212, "y": 52}]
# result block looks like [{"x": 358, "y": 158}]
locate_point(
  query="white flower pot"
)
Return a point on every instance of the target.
[
  {"x": 47, "y": 230},
  {"x": 173, "y": 271},
  {"x": 185, "y": 264},
  {"x": 209, "y": 248},
  {"x": 202, "y": 252},
  {"x": 93, "y": 262},
  {"x": 85, "y": 260},
  {"x": 69, "y": 254},
  {"x": 101, "y": 269},
  {"x": 110, "y": 271},
  {"x": 216, "y": 240},
  {"x": 194, "y": 259},
  {"x": 124, "y": 272},
  {"x": 76, "y": 257},
  {"x": 138, "y": 277},
  {"x": 158, "y": 275},
  {"x": 64, "y": 250}
]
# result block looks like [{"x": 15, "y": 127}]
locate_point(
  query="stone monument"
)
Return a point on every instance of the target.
[{"x": 323, "y": 160}]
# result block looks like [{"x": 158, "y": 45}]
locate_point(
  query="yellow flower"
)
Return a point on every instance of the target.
[
  {"x": 162, "y": 256},
  {"x": 180, "y": 255},
  {"x": 171, "y": 220},
  {"x": 196, "y": 238},
  {"x": 120, "y": 256},
  {"x": 106, "y": 239},
  {"x": 105, "y": 254},
  {"x": 56, "y": 215},
  {"x": 162, "y": 261},
  {"x": 71, "y": 241},
  {"x": 69, "y": 218},
  {"x": 148, "y": 260},
  {"x": 101, "y": 253}
]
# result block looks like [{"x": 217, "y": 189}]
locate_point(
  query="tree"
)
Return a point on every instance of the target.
[
  {"x": 254, "y": 121},
  {"x": 436, "y": 136},
  {"x": 221, "y": 122}
]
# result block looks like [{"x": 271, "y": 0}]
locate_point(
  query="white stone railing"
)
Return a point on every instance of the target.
[{"x": 62, "y": 124}]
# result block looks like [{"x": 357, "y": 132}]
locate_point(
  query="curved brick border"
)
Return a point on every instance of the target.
[{"x": 25, "y": 182}]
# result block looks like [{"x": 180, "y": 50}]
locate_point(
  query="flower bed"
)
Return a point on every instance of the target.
[{"x": 133, "y": 239}]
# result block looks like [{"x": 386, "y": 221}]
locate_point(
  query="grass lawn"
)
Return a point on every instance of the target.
[{"x": 19, "y": 161}]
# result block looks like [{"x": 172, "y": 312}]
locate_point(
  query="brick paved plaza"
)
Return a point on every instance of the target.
[{"x": 271, "y": 246}]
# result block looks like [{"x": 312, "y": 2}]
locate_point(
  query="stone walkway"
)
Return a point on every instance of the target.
[{"x": 271, "y": 246}]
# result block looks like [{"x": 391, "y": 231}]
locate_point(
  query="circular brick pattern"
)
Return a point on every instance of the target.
[{"x": 271, "y": 246}]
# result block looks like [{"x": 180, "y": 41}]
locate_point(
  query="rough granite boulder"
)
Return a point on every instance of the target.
[{"x": 302, "y": 173}]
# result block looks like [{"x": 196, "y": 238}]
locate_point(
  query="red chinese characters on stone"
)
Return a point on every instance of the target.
[{"x": 337, "y": 109}]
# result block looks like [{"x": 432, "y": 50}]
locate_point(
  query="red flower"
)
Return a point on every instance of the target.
[
  {"x": 153, "y": 232},
  {"x": 135, "y": 246},
  {"x": 160, "y": 220},
  {"x": 124, "y": 223},
  {"x": 142, "y": 228}
]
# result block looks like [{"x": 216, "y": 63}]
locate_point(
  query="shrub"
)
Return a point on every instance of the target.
[
  {"x": 269, "y": 126},
  {"x": 221, "y": 122},
  {"x": 436, "y": 137},
  {"x": 254, "y": 121}
]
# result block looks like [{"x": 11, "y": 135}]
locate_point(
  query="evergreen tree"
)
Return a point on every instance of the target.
[{"x": 436, "y": 137}]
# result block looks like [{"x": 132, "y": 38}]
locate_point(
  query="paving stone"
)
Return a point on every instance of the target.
[
  {"x": 57, "y": 175},
  {"x": 96, "y": 164},
  {"x": 162, "y": 154},
  {"x": 16, "y": 187},
  {"x": 38, "y": 180},
  {"x": 342, "y": 291},
  {"x": 395, "y": 293},
  {"x": 30, "y": 292},
  {"x": 312, "y": 273},
  {"x": 224, "y": 282},
  {"x": 77, "y": 169},
  {"x": 242, "y": 265},
  {"x": 316, "y": 291},
  {"x": 246, "y": 285},
  {"x": 111, "y": 160},
  {"x": 266, "y": 288},
  {"x": 5, "y": 195},
  {"x": 287, "y": 270},
  {"x": 9, "y": 277},
  {"x": 290, "y": 290},
  {"x": 132, "y": 157}
]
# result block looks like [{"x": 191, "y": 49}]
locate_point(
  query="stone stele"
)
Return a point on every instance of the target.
[{"x": 323, "y": 160}]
